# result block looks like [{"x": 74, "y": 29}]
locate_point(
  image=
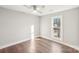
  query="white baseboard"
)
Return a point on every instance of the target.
[
  {"x": 14, "y": 43},
  {"x": 61, "y": 42}
]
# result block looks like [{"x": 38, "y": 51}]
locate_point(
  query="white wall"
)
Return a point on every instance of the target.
[
  {"x": 71, "y": 26},
  {"x": 15, "y": 26},
  {"x": 45, "y": 26}
]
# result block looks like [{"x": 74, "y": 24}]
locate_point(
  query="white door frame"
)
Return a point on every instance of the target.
[{"x": 61, "y": 28}]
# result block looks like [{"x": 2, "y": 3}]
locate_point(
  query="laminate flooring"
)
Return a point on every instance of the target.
[{"x": 39, "y": 45}]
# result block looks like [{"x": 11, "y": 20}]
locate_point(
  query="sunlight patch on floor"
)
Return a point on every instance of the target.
[{"x": 56, "y": 48}]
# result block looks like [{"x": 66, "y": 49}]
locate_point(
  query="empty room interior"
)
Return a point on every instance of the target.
[{"x": 39, "y": 28}]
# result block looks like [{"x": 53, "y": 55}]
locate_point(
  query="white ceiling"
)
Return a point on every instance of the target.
[{"x": 47, "y": 10}]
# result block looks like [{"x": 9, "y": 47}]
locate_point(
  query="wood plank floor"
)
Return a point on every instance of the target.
[{"x": 39, "y": 45}]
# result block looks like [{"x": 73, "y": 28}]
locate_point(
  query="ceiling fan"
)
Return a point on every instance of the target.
[{"x": 36, "y": 8}]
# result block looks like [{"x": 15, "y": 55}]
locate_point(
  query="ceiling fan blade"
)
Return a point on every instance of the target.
[{"x": 28, "y": 6}]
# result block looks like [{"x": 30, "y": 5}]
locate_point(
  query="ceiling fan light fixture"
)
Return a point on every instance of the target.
[
  {"x": 36, "y": 8},
  {"x": 35, "y": 11}
]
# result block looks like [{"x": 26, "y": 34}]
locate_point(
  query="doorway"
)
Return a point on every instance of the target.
[{"x": 57, "y": 27}]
